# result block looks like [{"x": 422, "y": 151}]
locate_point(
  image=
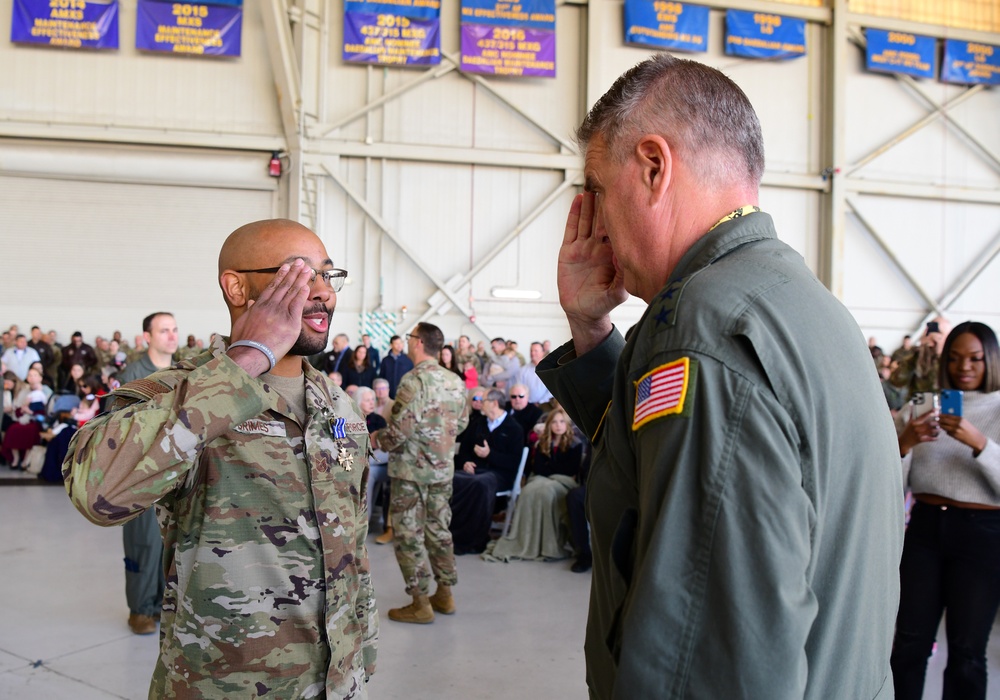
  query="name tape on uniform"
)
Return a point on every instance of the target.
[
  {"x": 274, "y": 428},
  {"x": 661, "y": 392}
]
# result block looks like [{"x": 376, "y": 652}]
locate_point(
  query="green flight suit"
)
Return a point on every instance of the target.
[{"x": 744, "y": 496}]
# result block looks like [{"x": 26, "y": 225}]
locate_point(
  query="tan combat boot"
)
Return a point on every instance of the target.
[
  {"x": 418, "y": 612},
  {"x": 385, "y": 537},
  {"x": 442, "y": 601}
]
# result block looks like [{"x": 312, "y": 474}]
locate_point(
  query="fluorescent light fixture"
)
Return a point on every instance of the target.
[{"x": 514, "y": 293}]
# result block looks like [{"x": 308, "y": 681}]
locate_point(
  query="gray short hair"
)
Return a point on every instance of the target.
[
  {"x": 698, "y": 110},
  {"x": 361, "y": 392},
  {"x": 495, "y": 395}
]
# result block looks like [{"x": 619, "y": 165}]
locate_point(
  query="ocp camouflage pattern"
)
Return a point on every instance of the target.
[
  {"x": 269, "y": 591},
  {"x": 429, "y": 413}
]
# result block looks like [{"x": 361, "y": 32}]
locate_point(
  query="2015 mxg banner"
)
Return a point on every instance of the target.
[
  {"x": 204, "y": 29},
  {"x": 509, "y": 38},
  {"x": 393, "y": 32},
  {"x": 666, "y": 25},
  {"x": 76, "y": 24},
  {"x": 763, "y": 35}
]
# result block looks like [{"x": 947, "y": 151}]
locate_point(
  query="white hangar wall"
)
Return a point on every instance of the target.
[{"x": 434, "y": 187}]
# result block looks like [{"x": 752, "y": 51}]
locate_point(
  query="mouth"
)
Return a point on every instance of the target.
[{"x": 317, "y": 319}]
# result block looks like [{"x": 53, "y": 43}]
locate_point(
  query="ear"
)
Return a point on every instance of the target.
[
  {"x": 234, "y": 288},
  {"x": 656, "y": 162}
]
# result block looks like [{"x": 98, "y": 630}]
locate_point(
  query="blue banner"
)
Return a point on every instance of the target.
[
  {"x": 666, "y": 25},
  {"x": 899, "y": 52},
  {"x": 968, "y": 63},
  {"x": 404, "y": 33},
  {"x": 763, "y": 35},
  {"x": 531, "y": 14},
  {"x": 74, "y": 24},
  {"x": 188, "y": 28}
]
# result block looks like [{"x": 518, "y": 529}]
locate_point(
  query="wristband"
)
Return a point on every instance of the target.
[{"x": 257, "y": 346}]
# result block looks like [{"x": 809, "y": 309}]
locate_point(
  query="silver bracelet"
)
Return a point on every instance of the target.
[{"x": 257, "y": 346}]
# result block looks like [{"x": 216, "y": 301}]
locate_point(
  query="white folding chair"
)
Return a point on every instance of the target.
[{"x": 513, "y": 493}]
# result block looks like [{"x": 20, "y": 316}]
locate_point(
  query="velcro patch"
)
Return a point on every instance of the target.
[
  {"x": 274, "y": 428},
  {"x": 661, "y": 392}
]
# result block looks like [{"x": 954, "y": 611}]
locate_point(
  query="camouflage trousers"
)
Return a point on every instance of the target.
[{"x": 420, "y": 518}]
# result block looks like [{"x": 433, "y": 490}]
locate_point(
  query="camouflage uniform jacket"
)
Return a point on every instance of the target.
[
  {"x": 268, "y": 585},
  {"x": 429, "y": 413}
]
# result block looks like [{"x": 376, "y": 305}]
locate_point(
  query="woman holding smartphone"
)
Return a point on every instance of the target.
[{"x": 951, "y": 553}]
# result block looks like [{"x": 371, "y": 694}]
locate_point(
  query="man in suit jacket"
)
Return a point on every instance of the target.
[{"x": 490, "y": 466}]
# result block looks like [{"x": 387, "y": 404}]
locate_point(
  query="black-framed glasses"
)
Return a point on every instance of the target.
[
  {"x": 414, "y": 336},
  {"x": 518, "y": 396},
  {"x": 334, "y": 278}
]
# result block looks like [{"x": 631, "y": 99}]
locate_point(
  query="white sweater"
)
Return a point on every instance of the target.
[{"x": 946, "y": 467}]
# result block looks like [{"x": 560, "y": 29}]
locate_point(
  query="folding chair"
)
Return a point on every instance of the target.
[{"x": 513, "y": 493}]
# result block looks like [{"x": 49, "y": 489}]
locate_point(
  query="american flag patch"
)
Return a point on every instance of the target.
[{"x": 661, "y": 392}]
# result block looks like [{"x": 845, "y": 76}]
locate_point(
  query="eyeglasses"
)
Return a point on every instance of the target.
[
  {"x": 518, "y": 396},
  {"x": 477, "y": 398},
  {"x": 334, "y": 279},
  {"x": 414, "y": 336}
]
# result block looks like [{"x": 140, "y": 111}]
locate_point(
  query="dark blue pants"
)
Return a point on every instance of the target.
[{"x": 951, "y": 563}]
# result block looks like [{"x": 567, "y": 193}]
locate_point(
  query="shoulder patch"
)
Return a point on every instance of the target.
[{"x": 663, "y": 391}]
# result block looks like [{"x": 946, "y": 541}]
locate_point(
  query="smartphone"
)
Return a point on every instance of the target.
[
  {"x": 924, "y": 402},
  {"x": 951, "y": 402}
]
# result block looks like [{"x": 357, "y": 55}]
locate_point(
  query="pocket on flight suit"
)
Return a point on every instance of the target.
[{"x": 622, "y": 560}]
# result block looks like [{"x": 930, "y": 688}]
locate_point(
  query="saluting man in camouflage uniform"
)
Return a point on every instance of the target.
[
  {"x": 257, "y": 464},
  {"x": 429, "y": 413}
]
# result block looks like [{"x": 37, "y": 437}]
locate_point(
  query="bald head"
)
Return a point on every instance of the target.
[{"x": 266, "y": 243}]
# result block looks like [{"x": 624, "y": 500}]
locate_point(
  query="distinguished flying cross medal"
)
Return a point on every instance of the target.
[{"x": 344, "y": 457}]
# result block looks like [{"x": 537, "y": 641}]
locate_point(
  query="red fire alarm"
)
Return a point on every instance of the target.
[{"x": 274, "y": 167}]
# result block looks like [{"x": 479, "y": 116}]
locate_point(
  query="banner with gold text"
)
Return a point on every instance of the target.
[
  {"x": 509, "y": 38},
  {"x": 763, "y": 35},
  {"x": 666, "y": 25},
  {"x": 74, "y": 24},
  {"x": 400, "y": 32},
  {"x": 899, "y": 52},
  {"x": 200, "y": 29},
  {"x": 968, "y": 63}
]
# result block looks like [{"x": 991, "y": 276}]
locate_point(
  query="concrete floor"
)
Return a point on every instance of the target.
[{"x": 518, "y": 632}]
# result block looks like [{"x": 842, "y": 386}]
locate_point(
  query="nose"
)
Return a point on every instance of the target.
[{"x": 320, "y": 290}]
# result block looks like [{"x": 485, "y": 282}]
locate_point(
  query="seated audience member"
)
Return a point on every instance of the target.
[
  {"x": 25, "y": 432},
  {"x": 72, "y": 383},
  {"x": 378, "y": 463},
  {"x": 12, "y": 387},
  {"x": 526, "y": 413},
  {"x": 538, "y": 530},
  {"x": 45, "y": 378},
  {"x": 465, "y": 439},
  {"x": 490, "y": 466},
  {"x": 90, "y": 403},
  {"x": 383, "y": 404},
  {"x": 337, "y": 378},
  {"x": 357, "y": 370}
]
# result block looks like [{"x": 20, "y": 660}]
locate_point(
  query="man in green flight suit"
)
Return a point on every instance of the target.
[
  {"x": 429, "y": 413},
  {"x": 257, "y": 464},
  {"x": 744, "y": 495}
]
